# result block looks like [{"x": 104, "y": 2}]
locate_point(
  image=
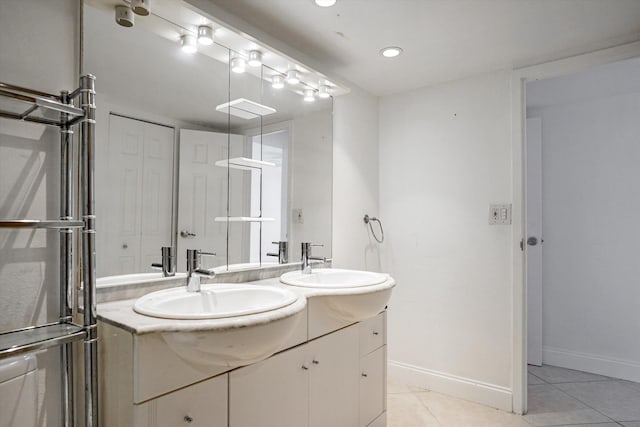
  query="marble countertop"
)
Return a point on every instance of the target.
[{"x": 121, "y": 314}]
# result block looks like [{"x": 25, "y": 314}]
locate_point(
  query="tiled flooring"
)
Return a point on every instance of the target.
[{"x": 557, "y": 397}]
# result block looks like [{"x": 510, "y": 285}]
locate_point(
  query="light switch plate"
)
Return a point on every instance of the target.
[{"x": 500, "y": 214}]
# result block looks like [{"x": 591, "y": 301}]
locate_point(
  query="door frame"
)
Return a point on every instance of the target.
[{"x": 519, "y": 78}]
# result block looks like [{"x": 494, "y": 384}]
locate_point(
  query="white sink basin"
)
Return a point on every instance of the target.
[
  {"x": 226, "y": 325},
  {"x": 214, "y": 301},
  {"x": 333, "y": 278},
  {"x": 345, "y": 295}
]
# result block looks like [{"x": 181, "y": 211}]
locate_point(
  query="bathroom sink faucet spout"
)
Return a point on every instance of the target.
[
  {"x": 194, "y": 272},
  {"x": 306, "y": 257}
]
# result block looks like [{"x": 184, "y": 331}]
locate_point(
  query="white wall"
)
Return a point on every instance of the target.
[
  {"x": 445, "y": 155},
  {"x": 29, "y": 173},
  {"x": 310, "y": 155},
  {"x": 355, "y": 179},
  {"x": 591, "y": 206}
]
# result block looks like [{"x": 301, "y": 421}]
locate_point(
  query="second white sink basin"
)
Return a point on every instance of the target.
[
  {"x": 333, "y": 278},
  {"x": 214, "y": 301}
]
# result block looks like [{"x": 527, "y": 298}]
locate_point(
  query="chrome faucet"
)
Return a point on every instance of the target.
[
  {"x": 283, "y": 252},
  {"x": 168, "y": 265},
  {"x": 306, "y": 257},
  {"x": 194, "y": 256}
]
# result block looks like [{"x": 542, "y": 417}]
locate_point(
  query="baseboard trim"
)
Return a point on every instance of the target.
[
  {"x": 593, "y": 363},
  {"x": 463, "y": 388}
]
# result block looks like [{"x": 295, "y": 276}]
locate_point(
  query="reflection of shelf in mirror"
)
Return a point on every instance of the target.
[
  {"x": 245, "y": 109},
  {"x": 243, "y": 163},
  {"x": 242, "y": 219}
]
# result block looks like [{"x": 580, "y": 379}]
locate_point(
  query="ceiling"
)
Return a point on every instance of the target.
[
  {"x": 143, "y": 71},
  {"x": 443, "y": 40},
  {"x": 608, "y": 80}
]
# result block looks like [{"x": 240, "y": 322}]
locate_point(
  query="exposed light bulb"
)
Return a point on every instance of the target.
[
  {"x": 238, "y": 65},
  {"x": 391, "y": 51},
  {"x": 293, "y": 77},
  {"x": 309, "y": 95},
  {"x": 325, "y": 3},
  {"x": 255, "y": 58},
  {"x": 205, "y": 35},
  {"x": 277, "y": 82},
  {"x": 188, "y": 43},
  {"x": 324, "y": 91}
]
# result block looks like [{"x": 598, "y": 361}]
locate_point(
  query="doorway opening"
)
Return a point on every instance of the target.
[{"x": 582, "y": 203}]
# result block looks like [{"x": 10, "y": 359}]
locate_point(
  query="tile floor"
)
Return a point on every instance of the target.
[{"x": 557, "y": 397}]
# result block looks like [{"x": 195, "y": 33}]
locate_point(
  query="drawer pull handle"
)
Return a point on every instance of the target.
[
  {"x": 315, "y": 362},
  {"x": 364, "y": 375},
  {"x": 305, "y": 368},
  {"x": 188, "y": 419},
  {"x": 375, "y": 333}
]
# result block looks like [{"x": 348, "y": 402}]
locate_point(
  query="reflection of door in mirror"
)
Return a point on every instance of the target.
[
  {"x": 269, "y": 194},
  {"x": 137, "y": 186},
  {"x": 203, "y": 195}
]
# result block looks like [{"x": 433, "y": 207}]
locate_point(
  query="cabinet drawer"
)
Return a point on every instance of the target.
[
  {"x": 200, "y": 405},
  {"x": 372, "y": 386},
  {"x": 372, "y": 333}
]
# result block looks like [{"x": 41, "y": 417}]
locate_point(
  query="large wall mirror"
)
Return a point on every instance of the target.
[{"x": 193, "y": 153}]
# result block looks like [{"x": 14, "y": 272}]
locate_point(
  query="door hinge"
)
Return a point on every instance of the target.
[{"x": 522, "y": 245}]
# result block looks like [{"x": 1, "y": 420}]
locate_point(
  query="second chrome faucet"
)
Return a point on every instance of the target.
[
  {"x": 306, "y": 257},
  {"x": 194, "y": 272}
]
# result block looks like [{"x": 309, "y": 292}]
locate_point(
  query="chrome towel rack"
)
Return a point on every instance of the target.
[{"x": 42, "y": 107}]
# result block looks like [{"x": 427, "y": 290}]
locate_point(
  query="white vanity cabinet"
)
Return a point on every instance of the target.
[
  {"x": 200, "y": 405},
  {"x": 337, "y": 379},
  {"x": 373, "y": 373},
  {"x": 315, "y": 384}
]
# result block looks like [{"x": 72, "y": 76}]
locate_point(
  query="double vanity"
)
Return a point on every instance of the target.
[{"x": 301, "y": 349}]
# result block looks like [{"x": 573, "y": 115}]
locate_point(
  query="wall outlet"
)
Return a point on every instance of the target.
[
  {"x": 297, "y": 216},
  {"x": 500, "y": 214}
]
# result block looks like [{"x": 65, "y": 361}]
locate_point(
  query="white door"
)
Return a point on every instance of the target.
[
  {"x": 140, "y": 174},
  {"x": 533, "y": 239},
  {"x": 202, "y": 196}
]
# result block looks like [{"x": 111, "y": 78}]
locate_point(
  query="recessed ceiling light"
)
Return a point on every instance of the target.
[
  {"x": 205, "y": 35},
  {"x": 293, "y": 77},
  {"x": 325, "y": 3},
  {"x": 391, "y": 51},
  {"x": 188, "y": 43},
  {"x": 255, "y": 58},
  {"x": 238, "y": 65}
]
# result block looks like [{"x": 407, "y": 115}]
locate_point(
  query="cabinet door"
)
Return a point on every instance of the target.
[
  {"x": 372, "y": 385},
  {"x": 200, "y": 405},
  {"x": 372, "y": 333},
  {"x": 271, "y": 393},
  {"x": 333, "y": 379}
]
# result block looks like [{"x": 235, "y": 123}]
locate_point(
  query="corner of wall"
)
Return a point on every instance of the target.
[{"x": 355, "y": 179}]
